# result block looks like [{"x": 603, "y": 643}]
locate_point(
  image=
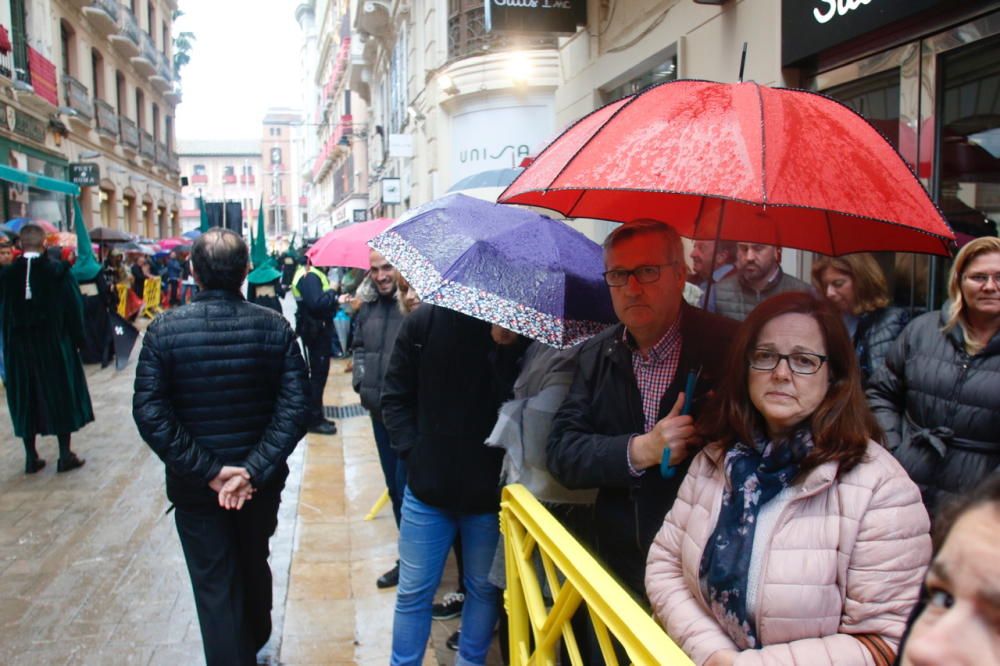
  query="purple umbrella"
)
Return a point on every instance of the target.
[{"x": 524, "y": 271}]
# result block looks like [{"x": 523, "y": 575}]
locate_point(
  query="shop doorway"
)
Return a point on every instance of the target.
[{"x": 937, "y": 100}]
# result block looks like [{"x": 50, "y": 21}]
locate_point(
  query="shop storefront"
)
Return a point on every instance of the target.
[
  {"x": 927, "y": 74},
  {"x": 19, "y": 198}
]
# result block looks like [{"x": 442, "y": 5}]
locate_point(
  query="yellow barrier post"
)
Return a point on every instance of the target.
[
  {"x": 573, "y": 577},
  {"x": 151, "y": 294},
  {"x": 122, "y": 299},
  {"x": 379, "y": 503}
]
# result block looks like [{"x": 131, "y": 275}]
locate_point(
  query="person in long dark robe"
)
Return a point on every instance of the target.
[
  {"x": 264, "y": 287},
  {"x": 98, "y": 304},
  {"x": 43, "y": 329}
]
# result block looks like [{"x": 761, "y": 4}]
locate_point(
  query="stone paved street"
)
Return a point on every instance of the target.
[{"x": 91, "y": 570}]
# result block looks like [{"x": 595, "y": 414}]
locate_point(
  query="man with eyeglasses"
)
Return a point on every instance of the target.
[
  {"x": 634, "y": 394},
  {"x": 377, "y": 325},
  {"x": 758, "y": 277}
]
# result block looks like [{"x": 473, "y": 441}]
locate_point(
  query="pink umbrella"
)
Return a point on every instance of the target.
[
  {"x": 348, "y": 246},
  {"x": 171, "y": 243}
]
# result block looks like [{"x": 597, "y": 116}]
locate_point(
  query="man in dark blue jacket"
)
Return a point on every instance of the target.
[
  {"x": 221, "y": 397},
  {"x": 317, "y": 304}
]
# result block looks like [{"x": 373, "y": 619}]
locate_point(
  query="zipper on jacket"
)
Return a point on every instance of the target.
[
  {"x": 767, "y": 552},
  {"x": 953, "y": 398}
]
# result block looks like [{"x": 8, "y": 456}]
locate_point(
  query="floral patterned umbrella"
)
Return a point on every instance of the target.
[{"x": 526, "y": 272}]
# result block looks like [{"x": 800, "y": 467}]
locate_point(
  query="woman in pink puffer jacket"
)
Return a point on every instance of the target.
[{"x": 795, "y": 538}]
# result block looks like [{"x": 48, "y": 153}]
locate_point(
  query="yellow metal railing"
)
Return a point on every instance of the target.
[
  {"x": 573, "y": 577},
  {"x": 152, "y": 292}
]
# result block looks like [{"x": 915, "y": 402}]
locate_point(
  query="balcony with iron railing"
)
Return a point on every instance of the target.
[
  {"x": 107, "y": 119},
  {"x": 77, "y": 97},
  {"x": 126, "y": 40},
  {"x": 467, "y": 34},
  {"x": 103, "y": 15},
  {"x": 129, "y": 133},
  {"x": 162, "y": 155},
  {"x": 145, "y": 61},
  {"x": 147, "y": 147},
  {"x": 162, "y": 79},
  {"x": 6, "y": 59}
]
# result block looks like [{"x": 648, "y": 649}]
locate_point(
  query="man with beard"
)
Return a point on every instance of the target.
[
  {"x": 758, "y": 277},
  {"x": 711, "y": 259},
  {"x": 377, "y": 325}
]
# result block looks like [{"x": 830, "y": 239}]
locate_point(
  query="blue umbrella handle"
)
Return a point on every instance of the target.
[{"x": 667, "y": 471}]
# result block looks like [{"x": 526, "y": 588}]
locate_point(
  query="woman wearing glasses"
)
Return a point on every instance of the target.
[
  {"x": 938, "y": 395},
  {"x": 795, "y": 538}
]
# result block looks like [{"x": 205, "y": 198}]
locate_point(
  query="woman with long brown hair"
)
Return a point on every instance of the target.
[{"x": 795, "y": 537}]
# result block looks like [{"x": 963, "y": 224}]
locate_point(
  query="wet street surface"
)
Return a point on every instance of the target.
[{"x": 91, "y": 569}]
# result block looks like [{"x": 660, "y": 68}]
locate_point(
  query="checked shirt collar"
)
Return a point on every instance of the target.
[{"x": 655, "y": 371}]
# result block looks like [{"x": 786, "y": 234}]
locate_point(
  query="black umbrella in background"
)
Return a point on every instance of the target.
[{"x": 125, "y": 335}]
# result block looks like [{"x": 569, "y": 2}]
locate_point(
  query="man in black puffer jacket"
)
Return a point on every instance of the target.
[
  {"x": 221, "y": 397},
  {"x": 377, "y": 325}
]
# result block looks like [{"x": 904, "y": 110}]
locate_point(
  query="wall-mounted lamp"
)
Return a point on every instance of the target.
[
  {"x": 89, "y": 155},
  {"x": 447, "y": 86},
  {"x": 59, "y": 129},
  {"x": 518, "y": 67},
  {"x": 67, "y": 111}
]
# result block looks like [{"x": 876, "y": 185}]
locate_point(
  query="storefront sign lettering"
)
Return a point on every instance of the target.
[
  {"x": 517, "y": 153},
  {"x": 837, "y": 8},
  {"x": 812, "y": 27},
  {"x": 559, "y": 17}
]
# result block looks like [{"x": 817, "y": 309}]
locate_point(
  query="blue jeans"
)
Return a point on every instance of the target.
[
  {"x": 390, "y": 462},
  {"x": 425, "y": 536},
  {"x": 187, "y": 291}
]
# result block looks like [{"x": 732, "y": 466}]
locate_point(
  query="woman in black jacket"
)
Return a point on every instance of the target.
[
  {"x": 938, "y": 395},
  {"x": 855, "y": 284}
]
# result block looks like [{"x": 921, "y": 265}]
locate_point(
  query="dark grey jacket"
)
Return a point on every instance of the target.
[
  {"x": 940, "y": 407},
  {"x": 735, "y": 300},
  {"x": 874, "y": 336},
  {"x": 377, "y": 325},
  {"x": 220, "y": 382}
]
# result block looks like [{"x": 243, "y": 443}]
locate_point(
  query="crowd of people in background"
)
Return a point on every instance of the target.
[{"x": 733, "y": 424}]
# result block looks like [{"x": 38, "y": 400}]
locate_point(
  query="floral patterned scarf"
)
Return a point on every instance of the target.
[{"x": 758, "y": 473}]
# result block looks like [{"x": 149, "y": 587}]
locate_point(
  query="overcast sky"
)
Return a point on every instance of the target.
[{"x": 244, "y": 60}]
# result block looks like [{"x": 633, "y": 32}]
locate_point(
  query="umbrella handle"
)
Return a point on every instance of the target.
[{"x": 668, "y": 471}]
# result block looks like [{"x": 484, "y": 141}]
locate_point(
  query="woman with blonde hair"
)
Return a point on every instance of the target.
[
  {"x": 856, "y": 285},
  {"x": 938, "y": 395}
]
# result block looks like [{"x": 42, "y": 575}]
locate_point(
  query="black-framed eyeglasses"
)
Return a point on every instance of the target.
[
  {"x": 646, "y": 274},
  {"x": 801, "y": 363}
]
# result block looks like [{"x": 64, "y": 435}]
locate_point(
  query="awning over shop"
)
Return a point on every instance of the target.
[{"x": 38, "y": 181}]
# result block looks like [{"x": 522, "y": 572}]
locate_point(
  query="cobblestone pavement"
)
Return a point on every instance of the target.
[{"x": 91, "y": 570}]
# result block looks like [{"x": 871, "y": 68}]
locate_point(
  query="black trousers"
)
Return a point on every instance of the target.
[
  {"x": 318, "y": 351},
  {"x": 226, "y": 554}
]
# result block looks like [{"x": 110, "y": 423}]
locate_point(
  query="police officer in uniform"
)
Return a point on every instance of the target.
[{"x": 317, "y": 303}]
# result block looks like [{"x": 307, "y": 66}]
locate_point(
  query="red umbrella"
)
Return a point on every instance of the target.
[
  {"x": 348, "y": 246},
  {"x": 739, "y": 162}
]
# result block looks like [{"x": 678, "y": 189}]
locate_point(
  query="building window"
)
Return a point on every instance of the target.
[
  {"x": 664, "y": 71},
  {"x": 229, "y": 175},
  {"x": 120, "y": 93},
  {"x": 67, "y": 39},
  {"x": 97, "y": 73},
  {"x": 140, "y": 109},
  {"x": 398, "y": 79}
]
